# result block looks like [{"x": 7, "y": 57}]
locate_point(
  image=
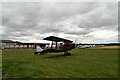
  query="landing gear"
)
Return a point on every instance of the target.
[
  {"x": 37, "y": 53},
  {"x": 67, "y": 54}
]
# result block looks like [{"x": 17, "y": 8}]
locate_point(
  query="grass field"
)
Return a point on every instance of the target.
[
  {"x": 0, "y": 64},
  {"x": 83, "y": 63}
]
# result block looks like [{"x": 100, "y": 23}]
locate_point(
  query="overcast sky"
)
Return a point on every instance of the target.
[{"x": 85, "y": 22}]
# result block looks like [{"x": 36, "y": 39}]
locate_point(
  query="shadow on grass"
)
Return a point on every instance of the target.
[
  {"x": 56, "y": 56},
  {"x": 62, "y": 55}
]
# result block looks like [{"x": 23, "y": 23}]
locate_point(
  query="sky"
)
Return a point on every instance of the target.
[{"x": 82, "y": 22}]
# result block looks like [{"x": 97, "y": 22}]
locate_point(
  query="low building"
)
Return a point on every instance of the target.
[
  {"x": 9, "y": 44},
  {"x": 6, "y": 44}
]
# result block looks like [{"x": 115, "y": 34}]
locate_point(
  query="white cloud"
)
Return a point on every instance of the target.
[{"x": 104, "y": 34}]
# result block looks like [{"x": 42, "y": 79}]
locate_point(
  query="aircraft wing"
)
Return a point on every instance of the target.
[{"x": 57, "y": 39}]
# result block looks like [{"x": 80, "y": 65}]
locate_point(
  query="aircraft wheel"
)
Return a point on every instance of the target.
[
  {"x": 35, "y": 53},
  {"x": 69, "y": 54},
  {"x": 65, "y": 54}
]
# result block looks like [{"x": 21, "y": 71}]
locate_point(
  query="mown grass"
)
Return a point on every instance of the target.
[
  {"x": 0, "y": 63},
  {"x": 83, "y": 63}
]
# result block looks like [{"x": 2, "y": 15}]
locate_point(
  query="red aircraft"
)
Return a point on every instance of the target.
[{"x": 66, "y": 47}]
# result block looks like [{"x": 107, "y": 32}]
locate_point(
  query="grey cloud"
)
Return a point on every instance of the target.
[{"x": 26, "y": 19}]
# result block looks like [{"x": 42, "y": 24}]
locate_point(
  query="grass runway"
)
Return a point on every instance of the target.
[{"x": 83, "y": 63}]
